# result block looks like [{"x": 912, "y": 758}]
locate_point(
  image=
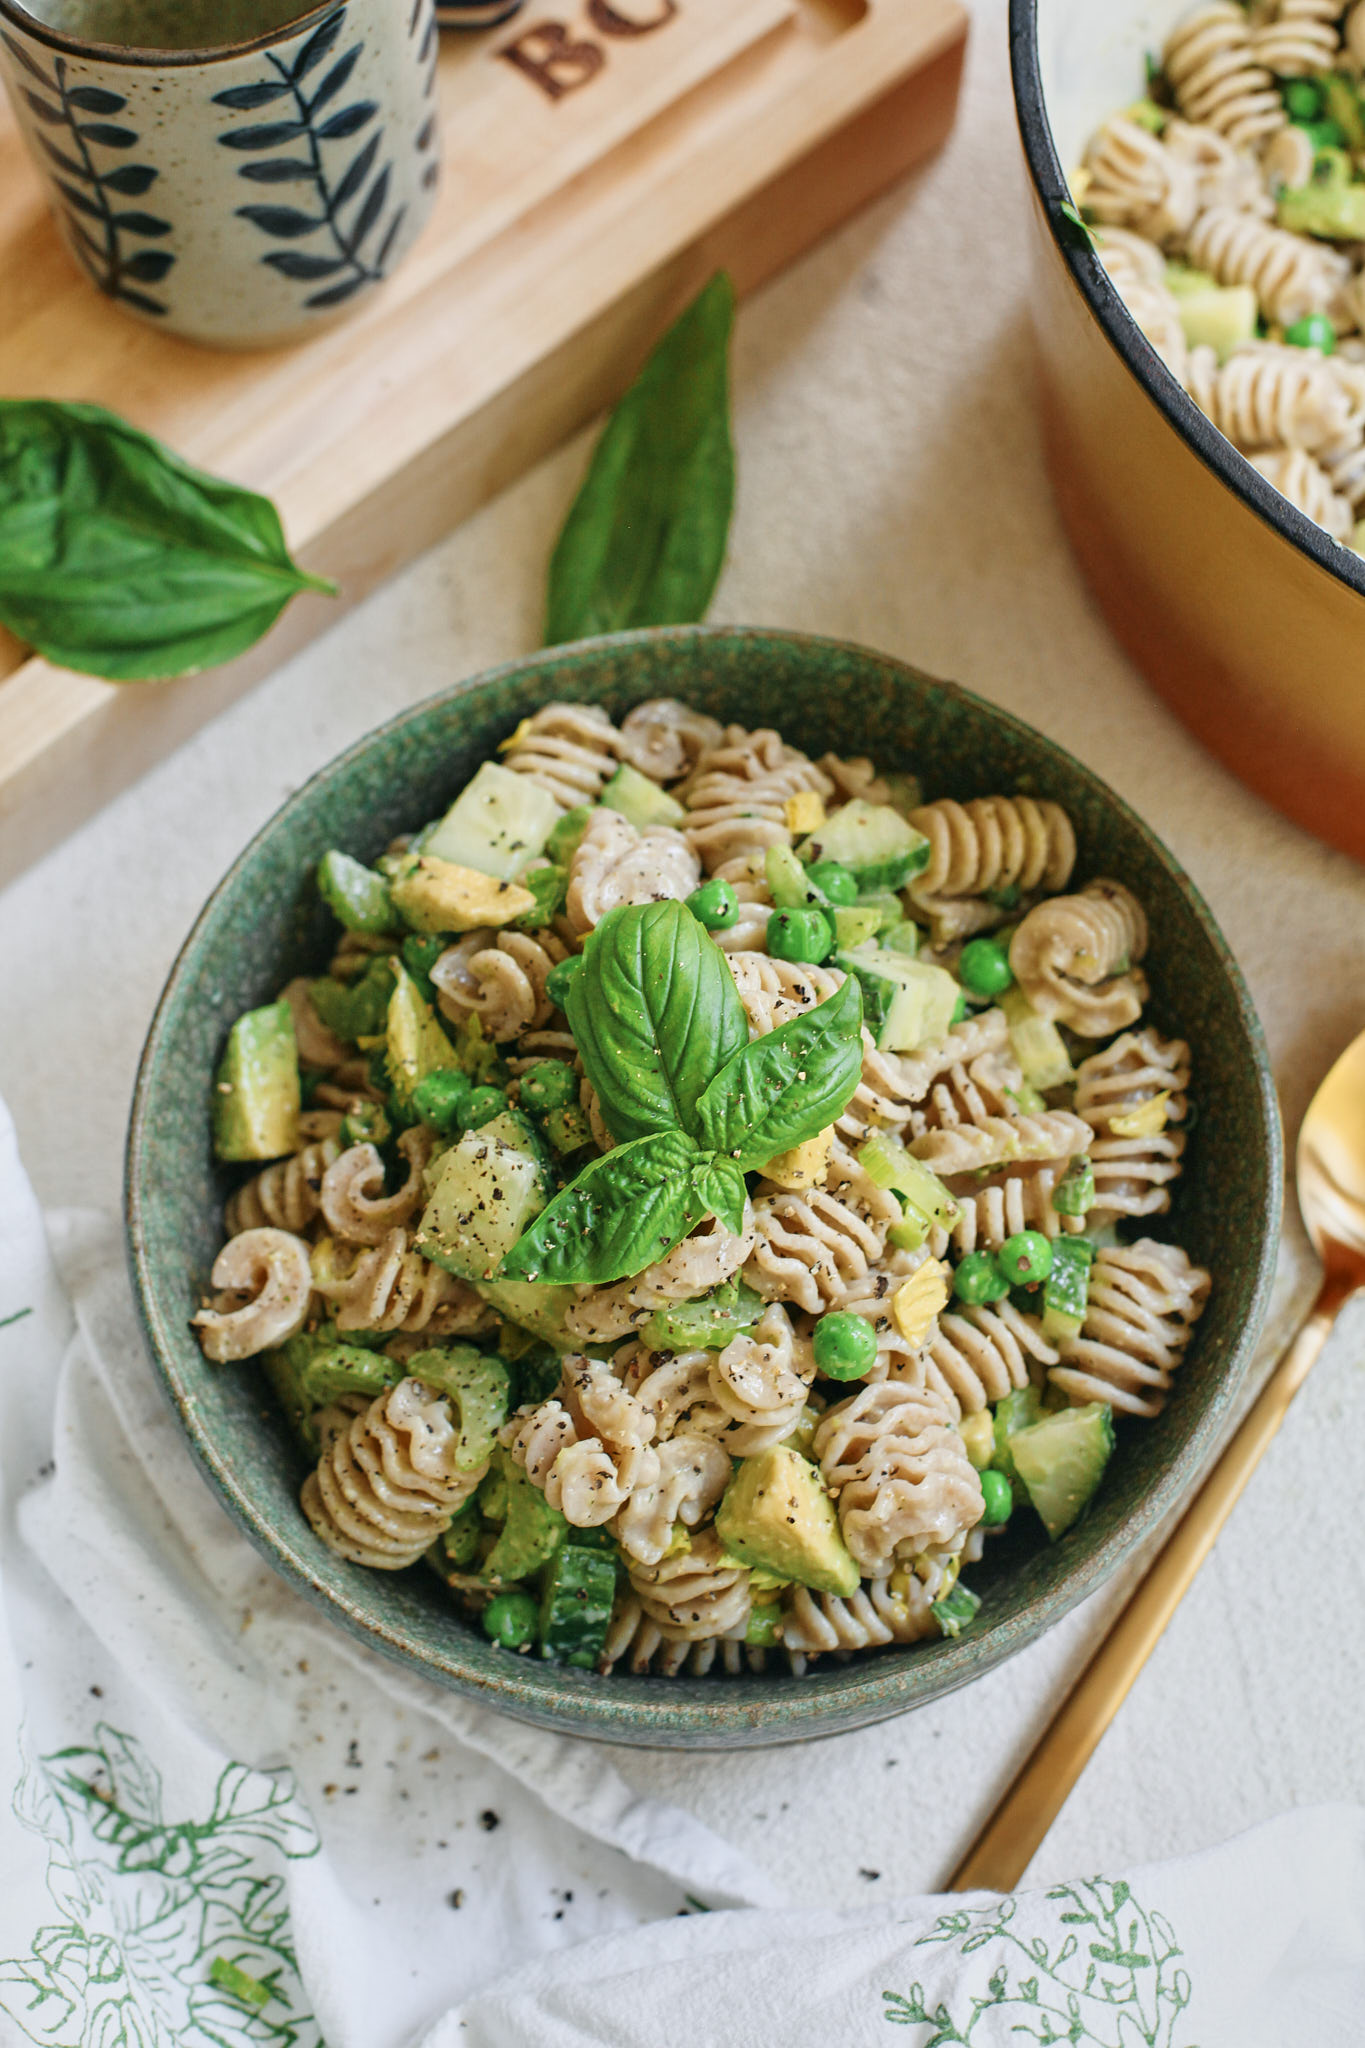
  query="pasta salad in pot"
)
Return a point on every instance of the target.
[{"x": 707, "y": 1196}]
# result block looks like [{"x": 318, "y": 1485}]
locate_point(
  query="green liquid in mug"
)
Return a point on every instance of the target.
[{"x": 167, "y": 24}]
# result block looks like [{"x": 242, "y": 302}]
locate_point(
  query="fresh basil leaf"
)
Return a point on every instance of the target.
[
  {"x": 624, "y": 1211},
  {"x": 645, "y": 541},
  {"x": 119, "y": 559},
  {"x": 719, "y": 1184},
  {"x": 656, "y": 1015},
  {"x": 786, "y": 1087}
]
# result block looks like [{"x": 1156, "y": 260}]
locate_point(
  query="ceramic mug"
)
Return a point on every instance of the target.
[
  {"x": 234, "y": 171},
  {"x": 474, "y": 13}
]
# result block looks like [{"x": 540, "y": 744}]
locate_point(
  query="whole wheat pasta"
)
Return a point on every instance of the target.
[
  {"x": 499, "y": 977},
  {"x": 1145, "y": 1300},
  {"x": 570, "y": 750}
]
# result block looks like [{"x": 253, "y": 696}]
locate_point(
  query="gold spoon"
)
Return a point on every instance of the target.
[{"x": 1330, "y": 1174}]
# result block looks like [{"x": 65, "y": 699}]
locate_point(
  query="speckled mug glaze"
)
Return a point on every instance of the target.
[
  {"x": 241, "y": 193},
  {"x": 264, "y": 924}
]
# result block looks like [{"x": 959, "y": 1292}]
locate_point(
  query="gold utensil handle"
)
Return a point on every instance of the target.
[{"x": 1011, "y": 1837}]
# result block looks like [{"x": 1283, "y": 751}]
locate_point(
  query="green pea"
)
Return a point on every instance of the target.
[
  {"x": 1323, "y": 135},
  {"x": 1315, "y": 330},
  {"x": 558, "y": 979},
  {"x": 484, "y": 1104},
  {"x": 365, "y": 1123},
  {"x": 804, "y": 935},
  {"x": 549, "y": 1084},
  {"x": 715, "y": 905},
  {"x": 984, "y": 967},
  {"x": 835, "y": 881},
  {"x": 979, "y": 1280},
  {"x": 845, "y": 1346},
  {"x": 1302, "y": 99},
  {"x": 998, "y": 1495},
  {"x": 442, "y": 1100},
  {"x": 1025, "y": 1258},
  {"x": 511, "y": 1619}
]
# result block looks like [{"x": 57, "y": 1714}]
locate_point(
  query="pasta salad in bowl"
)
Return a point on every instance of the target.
[{"x": 692, "y": 1233}]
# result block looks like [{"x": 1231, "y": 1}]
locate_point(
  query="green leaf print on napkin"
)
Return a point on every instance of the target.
[{"x": 156, "y": 1917}]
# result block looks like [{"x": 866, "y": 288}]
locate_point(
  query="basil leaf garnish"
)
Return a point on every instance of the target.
[
  {"x": 720, "y": 1187},
  {"x": 645, "y": 541},
  {"x": 624, "y": 1211},
  {"x": 656, "y": 1015},
  {"x": 119, "y": 559},
  {"x": 786, "y": 1087}
]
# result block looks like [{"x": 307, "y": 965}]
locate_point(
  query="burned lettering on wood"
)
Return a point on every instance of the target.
[{"x": 558, "y": 60}]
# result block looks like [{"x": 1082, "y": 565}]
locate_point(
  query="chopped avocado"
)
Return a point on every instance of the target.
[
  {"x": 355, "y": 894},
  {"x": 256, "y": 1089},
  {"x": 1017, "y": 1411},
  {"x": 476, "y": 1386},
  {"x": 488, "y": 1188},
  {"x": 777, "y": 1517},
  {"x": 415, "y": 1043},
  {"x": 803, "y": 1434},
  {"x": 532, "y": 1530},
  {"x": 800, "y": 1166},
  {"x": 436, "y": 895},
  {"x": 640, "y": 801},
  {"x": 1224, "y": 317},
  {"x": 906, "y": 1003},
  {"x": 926, "y": 1201},
  {"x": 978, "y": 1434},
  {"x": 956, "y": 1610},
  {"x": 576, "y": 1606},
  {"x": 883, "y": 849},
  {"x": 706, "y": 1324},
  {"x": 1036, "y": 1043},
  {"x": 856, "y": 923},
  {"x": 789, "y": 885},
  {"x": 1331, "y": 204},
  {"x": 1061, "y": 1461},
  {"x": 498, "y": 823},
  {"x": 356, "y": 1009},
  {"x": 1067, "y": 1288}
]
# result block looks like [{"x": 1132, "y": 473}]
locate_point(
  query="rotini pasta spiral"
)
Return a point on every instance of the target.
[
  {"x": 736, "y": 795},
  {"x": 748, "y": 877},
  {"x": 1270, "y": 396},
  {"x": 265, "y": 1286},
  {"x": 1307, "y": 485},
  {"x": 387, "y": 1485},
  {"x": 976, "y": 1093},
  {"x": 1136, "y": 182},
  {"x": 1001, "y": 1140},
  {"x": 760, "y": 1381},
  {"x": 354, "y": 1206},
  {"x": 708, "y": 1258},
  {"x": 571, "y": 750},
  {"x": 823, "y": 1623},
  {"x": 1075, "y": 959},
  {"x": 389, "y": 1286},
  {"x": 693, "y": 1473},
  {"x": 283, "y": 1196},
  {"x": 665, "y": 739},
  {"x": 589, "y": 1448},
  {"x": 900, "y": 1471},
  {"x": 853, "y": 779},
  {"x": 1135, "y": 269},
  {"x": 1297, "y": 37},
  {"x": 1133, "y": 1173},
  {"x": 1145, "y": 1300},
  {"x": 814, "y": 1248},
  {"x": 614, "y": 863},
  {"x": 498, "y": 977},
  {"x": 694, "y": 1593},
  {"x": 639, "y": 1643},
  {"x": 991, "y": 1211},
  {"x": 1001, "y": 845},
  {"x": 318, "y": 1046},
  {"x": 979, "y": 1355},
  {"x": 1213, "y": 67},
  {"x": 1227, "y": 176},
  {"x": 675, "y": 1388},
  {"x": 1290, "y": 275},
  {"x": 775, "y": 991}
]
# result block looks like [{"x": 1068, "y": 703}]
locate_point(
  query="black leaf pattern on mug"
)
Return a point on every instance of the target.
[
  {"x": 347, "y": 208},
  {"x": 422, "y": 30},
  {"x": 98, "y": 231}
]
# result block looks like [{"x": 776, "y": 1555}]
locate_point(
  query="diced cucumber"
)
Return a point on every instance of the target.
[
  {"x": 641, "y": 801},
  {"x": 534, "y": 1305},
  {"x": 764, "y": 1629},
  {"x": 906, "y": 1003},
  {"x": 1067, "y": 1288},
  {"x": 575, "y": 1608},
  {"x": 902, "y": 937},
  {"x": 415, "y": 1045},
  {"x": 532, "y": 1531},
  {"x": 476, "y": 1387},
  {"x": 1036, "y": 1042},
  {"x": 790, "y": 886},
  {"x": 498, "y": 822},
  {"x": 1061, "y": 1461},
  {"x": 883, "y": 849},
  {"x": 488, "y": 1189},
  {"x": 1019, "y": 1410},
  {"x": 856, "y": 923},
  {"x": 256, "y": 1092},
  {"x": 562, "y": 843},
  {"x": 461, "y": 1541},
  {"x": 890, "y": 1164},
  {"x": 356, "y": 1009},
  {"x": 956, "y": 1610},
  {"x": 706, "y": 1324},
  {"x": 355, "y": 894},
  {"x": 1074, "y": 1194},
  {"x": 315, "y": 1368}
]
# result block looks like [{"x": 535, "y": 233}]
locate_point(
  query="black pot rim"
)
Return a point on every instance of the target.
[
  {"x": 149, "y": 59},
  {"x": 1126, "y": 338}
]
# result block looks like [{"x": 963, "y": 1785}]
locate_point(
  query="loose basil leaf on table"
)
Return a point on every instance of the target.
[
  {"x": 787, "y": 1087},
  {"x": 644, "y": 543},
  {"x": 122, "y": 561},
  {"x": 655, "y": 1014},
  {"x": 624, "y": 1211}
]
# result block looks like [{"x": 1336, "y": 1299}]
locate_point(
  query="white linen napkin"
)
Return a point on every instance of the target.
[{"x": 223, "y": 1822}]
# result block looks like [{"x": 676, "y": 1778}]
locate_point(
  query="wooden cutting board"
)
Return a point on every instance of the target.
[{"x": 602, "y": 159}]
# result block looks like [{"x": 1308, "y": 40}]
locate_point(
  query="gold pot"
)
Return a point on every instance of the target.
[{"x": 1238, "y": 610}]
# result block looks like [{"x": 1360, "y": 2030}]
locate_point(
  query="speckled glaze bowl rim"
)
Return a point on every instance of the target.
[
  {"x": 1126, "y": 338},
  {"x": 147, "y": 56},
  {"x": 736, "y": 1711}
]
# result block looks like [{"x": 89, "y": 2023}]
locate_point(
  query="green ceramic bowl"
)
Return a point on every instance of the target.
[{"x": 264, "y": 924}]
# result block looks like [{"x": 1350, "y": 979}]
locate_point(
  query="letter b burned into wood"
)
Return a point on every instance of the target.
[{"x": 558, "y": 60}]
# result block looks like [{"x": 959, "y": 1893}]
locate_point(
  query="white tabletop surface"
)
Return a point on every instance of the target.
[{"x": 891, "y": 491}]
